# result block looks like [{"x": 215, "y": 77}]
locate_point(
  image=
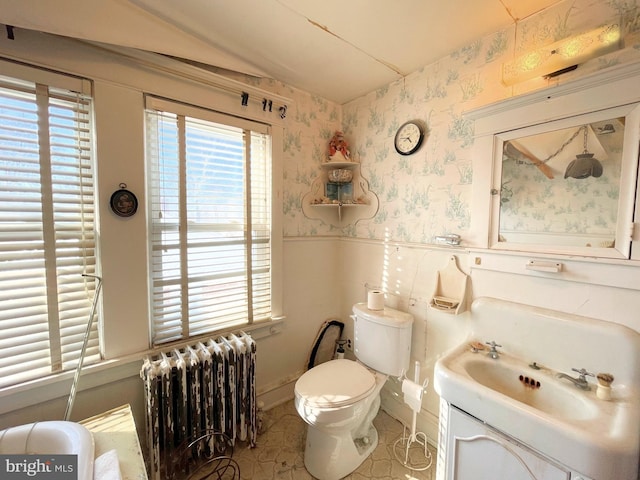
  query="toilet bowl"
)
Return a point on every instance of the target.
[{"x": 340, "y": 398}]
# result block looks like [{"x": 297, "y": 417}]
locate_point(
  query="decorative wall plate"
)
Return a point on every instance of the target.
[{"x": 123, "y": 202}]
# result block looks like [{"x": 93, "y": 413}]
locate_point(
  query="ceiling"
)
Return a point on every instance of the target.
[{"x": 336, "y": 49}]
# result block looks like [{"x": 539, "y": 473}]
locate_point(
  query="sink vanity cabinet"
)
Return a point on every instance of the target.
[
  {"x": 534, "y": 215},
  {"x": 505, "y": 417},
  {"x": 476, "y": 450}
]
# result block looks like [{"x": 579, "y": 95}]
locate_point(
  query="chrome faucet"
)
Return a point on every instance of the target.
[
  {"x": 493, "y": 353},
  {"x": 581, "y": 381}
]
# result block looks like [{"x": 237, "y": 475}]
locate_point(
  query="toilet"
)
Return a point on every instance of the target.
[{"x": 340, "y": 398}]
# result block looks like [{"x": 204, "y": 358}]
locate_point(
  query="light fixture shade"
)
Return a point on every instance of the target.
[
  {"x": 562, "y": 54},
  {"x": 584, "y": 166}
]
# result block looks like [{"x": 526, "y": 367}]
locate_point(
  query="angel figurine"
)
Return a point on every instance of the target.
[{"x": 339, "y": 148}]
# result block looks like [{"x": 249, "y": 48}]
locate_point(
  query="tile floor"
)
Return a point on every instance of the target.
[{"x": 279, "y": 454}]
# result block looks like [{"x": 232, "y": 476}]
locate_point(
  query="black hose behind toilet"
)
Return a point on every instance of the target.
[{"x": 324, "y": 346}]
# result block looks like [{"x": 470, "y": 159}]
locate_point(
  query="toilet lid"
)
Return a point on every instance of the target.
[{"x": 335, "y": 383}]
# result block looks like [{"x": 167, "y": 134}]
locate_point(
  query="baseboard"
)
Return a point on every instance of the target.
[{"x": 272, "y": 396}]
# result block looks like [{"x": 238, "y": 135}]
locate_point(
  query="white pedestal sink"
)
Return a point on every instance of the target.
[{"x": 598, "y": 438}]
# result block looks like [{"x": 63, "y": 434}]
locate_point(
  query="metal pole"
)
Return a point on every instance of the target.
[{"x": 76, "y": 377}]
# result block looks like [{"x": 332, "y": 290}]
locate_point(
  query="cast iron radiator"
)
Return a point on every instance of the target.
[{"x": 205, "y": 387}]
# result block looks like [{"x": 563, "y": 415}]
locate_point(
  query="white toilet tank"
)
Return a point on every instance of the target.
[{"x": 382, "y": 338}]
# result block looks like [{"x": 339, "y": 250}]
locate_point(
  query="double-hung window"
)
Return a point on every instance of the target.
[
  {"x": 47, "y": 236},
  {"x": 210, "y": 210}
]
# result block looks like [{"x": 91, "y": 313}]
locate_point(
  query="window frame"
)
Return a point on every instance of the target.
[
  {"x": 274, "y": 145},
  {"x": 50, "y": 88},
  {"x": 119, "y": 79}
]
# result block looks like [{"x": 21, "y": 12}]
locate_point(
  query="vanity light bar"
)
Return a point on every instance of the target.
[{"x": 562, "y": 55}]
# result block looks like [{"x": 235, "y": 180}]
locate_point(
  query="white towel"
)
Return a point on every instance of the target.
[{"x": 107, "y": 467}]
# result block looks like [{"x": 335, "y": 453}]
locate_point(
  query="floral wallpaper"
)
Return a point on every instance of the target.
[{"x": 429, "y": 193}]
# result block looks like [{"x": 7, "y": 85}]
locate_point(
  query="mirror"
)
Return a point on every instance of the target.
[{"x": 564, "y": 185}]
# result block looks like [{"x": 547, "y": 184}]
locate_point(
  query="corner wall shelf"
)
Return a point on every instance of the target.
[{"x": 335, "y": 212}]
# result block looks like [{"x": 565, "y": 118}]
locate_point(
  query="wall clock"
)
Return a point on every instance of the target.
[{"x": 409, "y": 137}]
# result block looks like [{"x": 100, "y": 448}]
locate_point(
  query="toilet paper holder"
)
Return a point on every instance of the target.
[
  {"x": 404, "y": 377},
  {"x": 410, "y": 437}
]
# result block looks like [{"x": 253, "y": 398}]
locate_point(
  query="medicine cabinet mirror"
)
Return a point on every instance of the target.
[{"x": 565, "y": 182}]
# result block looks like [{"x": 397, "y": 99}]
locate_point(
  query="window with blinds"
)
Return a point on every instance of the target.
[
  {"x": 47, "y": 236},
  {"x": 210, "y": 220}
]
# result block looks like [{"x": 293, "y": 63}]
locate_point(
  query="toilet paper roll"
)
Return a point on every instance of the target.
[
  {"x": 412, "y": 394},
  {"x": 375, "y": 300}
]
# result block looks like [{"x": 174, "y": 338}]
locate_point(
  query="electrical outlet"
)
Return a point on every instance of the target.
[{"x": 349, "y": 345}]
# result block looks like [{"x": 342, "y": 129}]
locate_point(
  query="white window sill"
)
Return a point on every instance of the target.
[{"x": 55, "y": 386}]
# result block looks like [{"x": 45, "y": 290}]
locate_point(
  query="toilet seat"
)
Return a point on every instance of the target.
[{"x": 335, "y": 383}]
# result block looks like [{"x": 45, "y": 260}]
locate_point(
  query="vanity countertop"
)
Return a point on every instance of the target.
[{"x": 116, "y": 429}]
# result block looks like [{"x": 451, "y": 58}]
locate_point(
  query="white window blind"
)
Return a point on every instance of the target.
[
  {"x": 210, "y": 210},
  {"x": 47, "y": 238}
]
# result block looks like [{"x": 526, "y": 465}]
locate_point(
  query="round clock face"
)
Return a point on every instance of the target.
[{"x": 408, "y": 138}]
